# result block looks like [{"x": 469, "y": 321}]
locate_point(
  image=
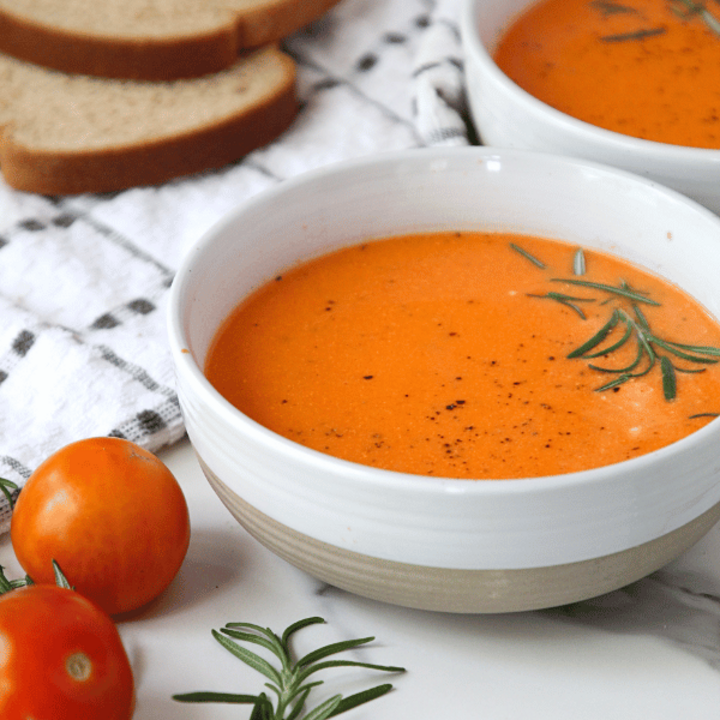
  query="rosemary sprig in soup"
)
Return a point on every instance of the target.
[{"x": 651, "y": 349}]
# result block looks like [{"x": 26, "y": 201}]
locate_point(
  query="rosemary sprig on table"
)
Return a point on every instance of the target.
[
  {"x": 651, "y": 349},
  {"x": 289, "y": 682}
]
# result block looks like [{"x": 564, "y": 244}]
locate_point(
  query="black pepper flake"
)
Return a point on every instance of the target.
[{"x": 368, "y": 377}]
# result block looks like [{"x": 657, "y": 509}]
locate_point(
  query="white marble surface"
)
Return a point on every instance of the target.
[{"x": 651, "y": 650}]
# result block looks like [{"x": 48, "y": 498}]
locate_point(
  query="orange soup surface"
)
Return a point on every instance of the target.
[
  {"x": 645, "y": 68},
  {"x": 447, "y": 355}
]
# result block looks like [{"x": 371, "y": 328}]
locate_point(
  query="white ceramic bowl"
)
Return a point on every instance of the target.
[
  {"x": 451, "y": 545},
  {"x": 506, "y": 116}
]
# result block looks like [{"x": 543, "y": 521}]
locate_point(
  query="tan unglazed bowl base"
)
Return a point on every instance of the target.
[{"x": 459, "y": 590}]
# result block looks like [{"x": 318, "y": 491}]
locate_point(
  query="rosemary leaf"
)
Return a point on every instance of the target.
[
  {"x": 669, "y": 381},
  {"x": 617, "y": 345},
  {"x": 640, "y": 317},
  {"x": 642, "y": 338},
  {"x": 574, "y": 307},
  {"x": 299, "y": 703},
  {"x": 623, "y": 292},
  {"x": 701, "y": 349},
  {"x": 264, "y": 639},
  {"x": 599, "y": 336},
  {"x": 200, "y": 697},
  {"x": 345, "y": 663},
  {"x": 360, "y": 698},
  {"x": 528, "y": 256},
  {"x": 611, "y": 8},
  {"x": 697, "y": 8},
  {"x": 637, "y": 35},
  {"x": 566, "y": 300},
  {"x": 579, "y": 266},
  {"x": 562, "y": 297},
  {"x": 628, "y": 368},
  {"x": 299, "y": 625},
  {"x": 333, "y": 649},
  {"x": 326, "y": 709},
  {"x": 614, "y": 383},
  {"x": 249, "y": 658},
  {"x": 263, "y": 709},
  {"x": 670, "y": 347}
]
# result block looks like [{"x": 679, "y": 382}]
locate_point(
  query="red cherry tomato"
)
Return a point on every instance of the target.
[
  {"x": 113, "y": 517},
  {"x": 61, "y": 658}
]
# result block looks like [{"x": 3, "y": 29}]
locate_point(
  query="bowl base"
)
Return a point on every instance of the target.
[{"x": 457, "y": 590}]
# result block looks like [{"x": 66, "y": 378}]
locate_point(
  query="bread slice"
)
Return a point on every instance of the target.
[
  {"x": 66, "y": 134},
  {"x": 146, "y": 39}
]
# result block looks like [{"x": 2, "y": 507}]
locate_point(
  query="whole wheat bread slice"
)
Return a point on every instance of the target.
[
  {"x": 67, "y": 134},
  {"x": 147, "y": 39}
]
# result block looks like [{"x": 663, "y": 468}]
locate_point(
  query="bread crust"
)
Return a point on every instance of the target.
[
  {"x": 118, "y": 57},
  {"x": 154, "y": 161},
  {"x": 164, "y": 57}
]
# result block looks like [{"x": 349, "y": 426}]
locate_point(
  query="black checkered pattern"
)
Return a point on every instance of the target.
[{"x": 84, "y": 280}]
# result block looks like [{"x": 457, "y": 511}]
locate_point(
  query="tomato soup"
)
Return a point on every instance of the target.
[
  {"x": 471, "y": 355},
  {"x": 645, "y": 68}
]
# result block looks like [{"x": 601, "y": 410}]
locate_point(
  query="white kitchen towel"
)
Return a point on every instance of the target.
[{"x": 84, "y": 279}]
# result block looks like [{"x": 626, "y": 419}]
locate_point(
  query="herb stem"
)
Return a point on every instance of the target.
[
  {"x": 637, "y": 35},
  {"x": 528, "y": 256},
  {"x": 648, "y": 343},
  {"x": 288, "y": 682},
  {"x": 622, "y": 291}
]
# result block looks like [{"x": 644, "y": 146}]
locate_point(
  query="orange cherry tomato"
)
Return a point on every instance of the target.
[
  {"x": 113, "y": 517},
  {"x": 61, "y": 658}
]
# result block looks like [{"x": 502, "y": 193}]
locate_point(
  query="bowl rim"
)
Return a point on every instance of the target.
[
  {"x": 186, "y": 364},
  {"x": 477, "y": 52}
]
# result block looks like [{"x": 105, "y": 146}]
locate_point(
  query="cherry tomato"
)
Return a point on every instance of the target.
[
  {"x": 113, "y": 517},
  {"x": 61, "y": 658}
]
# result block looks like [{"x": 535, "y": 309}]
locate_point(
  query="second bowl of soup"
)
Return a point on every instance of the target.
[{"x": 629, "y": 84}]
